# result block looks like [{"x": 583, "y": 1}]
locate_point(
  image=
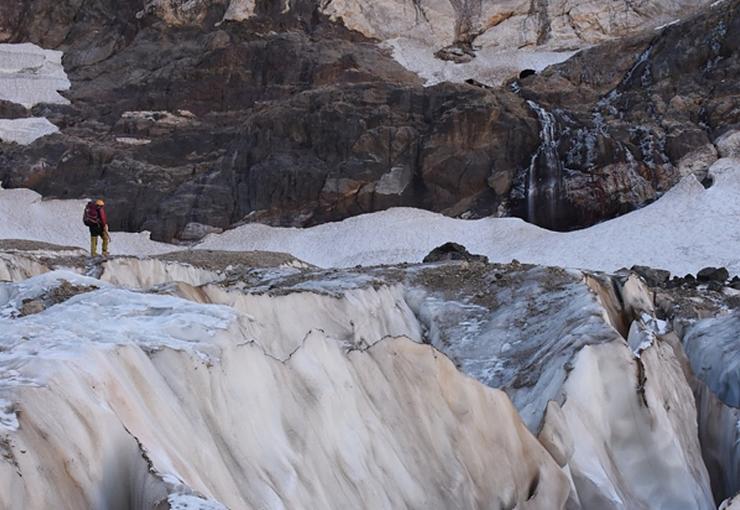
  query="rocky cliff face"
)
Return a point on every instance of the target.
[
  {"x": 629, "y": 119},
  {"x": 214, "y": 113}
]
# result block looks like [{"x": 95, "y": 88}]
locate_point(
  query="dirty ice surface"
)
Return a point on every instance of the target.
[
  {"x": 713, "y": 348},
  {"x": 107, "y": 315}
]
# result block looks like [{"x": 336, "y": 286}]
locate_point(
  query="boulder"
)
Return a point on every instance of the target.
[
  {"x": 713, "y": 274},
  {"x": 196, "y": 231},
  {"x": 653, "y": 277},
  {"x": 728, "y": 145},
  {"x": 453, "y": 251}
]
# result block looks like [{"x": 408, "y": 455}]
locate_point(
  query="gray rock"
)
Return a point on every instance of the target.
[
  {"x": 197, "y": 231},
  {"x": 453, "y": 251},
  {"x": 653, "y": 277},
  {"x": 713, "y": 274}
]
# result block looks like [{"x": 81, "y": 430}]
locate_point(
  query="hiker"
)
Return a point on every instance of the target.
[{"x": 95, "y": 218}]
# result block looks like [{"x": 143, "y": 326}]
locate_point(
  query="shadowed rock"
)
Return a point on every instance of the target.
[{"x": 453, "y": 251}]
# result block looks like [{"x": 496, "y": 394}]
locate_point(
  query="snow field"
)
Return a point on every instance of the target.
[{"x": 685, "y": 230}]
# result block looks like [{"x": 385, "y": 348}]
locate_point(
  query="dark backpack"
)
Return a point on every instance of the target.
[{"x": 91, "y": 216}]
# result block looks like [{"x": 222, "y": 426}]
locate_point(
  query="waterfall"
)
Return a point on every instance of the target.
[{"x": 543, "y": 178}]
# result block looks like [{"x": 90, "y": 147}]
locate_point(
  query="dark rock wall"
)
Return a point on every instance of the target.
[
  {"x": 291, "y": 119},
  {"x": 630, "y": 113}
]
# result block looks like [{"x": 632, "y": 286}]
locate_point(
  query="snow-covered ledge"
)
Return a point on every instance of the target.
[
  {"x": 25, "y": 131},
  {"x": 30, "y": 75}
]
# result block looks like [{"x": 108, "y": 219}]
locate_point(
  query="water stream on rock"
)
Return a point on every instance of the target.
[{"x": 544, "y": 174}]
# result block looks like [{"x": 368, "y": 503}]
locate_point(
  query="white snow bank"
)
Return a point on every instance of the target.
[
  {"x": 27, "y": 216},
  {"x": 25, "y": 131},
  {"x": 354, "y": 416},
  {"x": 391, "y": 427},
  {"x": 356, "y": 318},
  {"x": 526, "y": 344},
  {"x": 30, "y": 75},
  {"x": 147, "y": 273},
  {"x": 687, "y": 229},
  {"x": 491, "y": 66}
]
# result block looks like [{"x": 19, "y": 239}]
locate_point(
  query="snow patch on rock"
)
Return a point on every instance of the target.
[
  {"x": 26, "y": 215},
  {"x": 30, "y": 75},
  {"x": 239, "y": 10},
  {"x": 490, "y": 67},
  {"x": 728, "y": 145},
  {"x": 148, "y": 273},
  {"x": 25, "y": 131},
  {"x": 493, "y": 34}
]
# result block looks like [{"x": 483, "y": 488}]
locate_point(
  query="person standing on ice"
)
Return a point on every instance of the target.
[{"x": 95, "y": 218}]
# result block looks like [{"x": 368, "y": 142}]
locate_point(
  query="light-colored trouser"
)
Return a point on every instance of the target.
[{"x": 94, "y": 245}]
